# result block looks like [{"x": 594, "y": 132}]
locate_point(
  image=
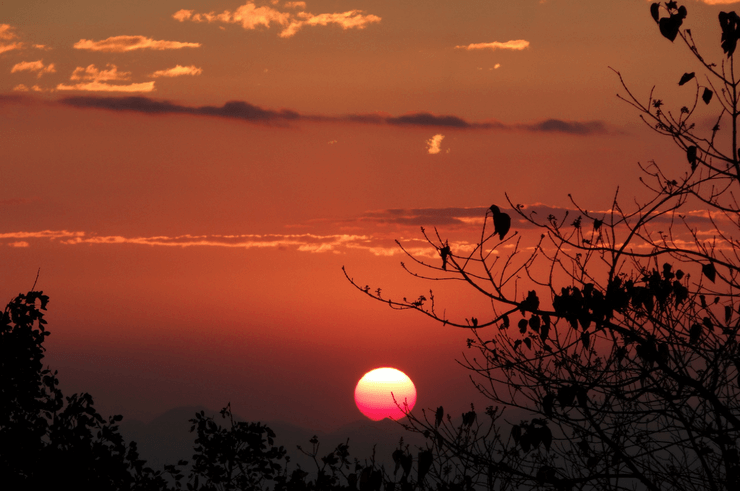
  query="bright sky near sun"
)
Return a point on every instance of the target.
[{"x": 191, "y": 175}]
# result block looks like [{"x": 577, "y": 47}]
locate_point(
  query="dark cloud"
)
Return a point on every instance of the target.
[
  {"x": 248, "y": 112},
  {"x": 232, "y": 109},
  {"x": 572, "y": 127}
]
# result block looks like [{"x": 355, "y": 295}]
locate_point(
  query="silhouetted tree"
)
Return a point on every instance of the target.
[
  {"x": 622, "y": 350},
  {"x": 48, "y": 441}
]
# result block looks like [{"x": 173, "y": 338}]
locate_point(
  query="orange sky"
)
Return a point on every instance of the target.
[{"x": 191, "y": 176}]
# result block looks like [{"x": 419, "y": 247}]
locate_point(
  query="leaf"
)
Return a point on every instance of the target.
[
  {"x": 528, "y": 342},
  {"x": 707, "y": 95},
  {"x": 709, "y": 271},
  {"x": 695, "y": 333},
  {"x": 691, "y": 156},
  {"x": 655, "y": 11},
  {"x": 516, "y": 433},
  {"x": 730, "y": 24},
  {"x": 534, "y": 323},
  {"x": 425, "y": 463},
  {"x": 547, "y": 404},
  {"x": 439, "y": 416},
  {"x": 586, "y": 339},
  {"x": 523, "y": 326},
  {"x": 669, "y": 26},
  {"x": 546, "y": 436},
  {"x": 685, "y": 78},
  {"x": 501, "y": 222},
  {"x": 728, "y": 314}
]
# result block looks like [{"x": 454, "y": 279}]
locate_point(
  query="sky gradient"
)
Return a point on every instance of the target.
[{"x": 191, "y": 176}]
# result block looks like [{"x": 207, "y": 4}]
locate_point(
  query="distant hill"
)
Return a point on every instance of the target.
[{"x": 167, "y": 438}]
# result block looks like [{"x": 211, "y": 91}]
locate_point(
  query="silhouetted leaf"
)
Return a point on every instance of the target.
[
  {"x": 445, "y": 253},
  {"x": 586, "y": 339},
  {"x": 547, "y": 404},
  {"x": 691, "y": 156},
  {"x": 425, "y": 463},
  {"x": 597, "y": 224},
  {"x": 709, "y": 271},
  {"x": 730, "y": 24},
  {"x": 516, "y": 433},
  {"x": 523, "y": 326},
  {"x": 728, "y": 314},
  {"x": 685, "y": 78},
  {"x": 528, "y": 342},
  {"x": 695, "y": 333},
  {"x": 706, "y": 96},
  {"x": 669, "y": 26},
  {"x": 655, "y": 11},
  {"x": 534, "y": 323},
  {"x": 439, "y": 415}
]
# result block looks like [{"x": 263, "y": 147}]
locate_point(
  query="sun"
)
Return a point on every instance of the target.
[{"x": 376, "y": 390}]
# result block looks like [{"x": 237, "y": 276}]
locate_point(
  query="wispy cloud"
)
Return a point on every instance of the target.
[
  {"x": 103, "y": 87},
  {"x": 92, "y": 73},
  {"x": 33, "y": 66},
  {"x": 517, "y": 45},
  {"x": 178, "y": 71},
  {"x": 92, "y": 79},
  {"x": 244, "y": 111},
  {"x": 121, "y": 44},
  {"x": 433, "y": 144},
  {"x": 250, "y": 17},
  {"x": 718, "y": 2}
]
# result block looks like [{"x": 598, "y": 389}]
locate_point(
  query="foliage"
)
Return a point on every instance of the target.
[
  {"x": 622, "y": 355},
  {"x": 48, "y": 441}
]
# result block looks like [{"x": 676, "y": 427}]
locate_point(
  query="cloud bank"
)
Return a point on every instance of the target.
[
  {"x": 245, "y": 111},
  {"x": 250, "y": 17},
  {"x": 178, "y": 71}
]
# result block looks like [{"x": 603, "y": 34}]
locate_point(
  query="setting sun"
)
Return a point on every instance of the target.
[{"x": 377, "y": 389}]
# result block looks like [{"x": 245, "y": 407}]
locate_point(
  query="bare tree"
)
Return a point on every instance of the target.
[{"x": 622, "y": 347}]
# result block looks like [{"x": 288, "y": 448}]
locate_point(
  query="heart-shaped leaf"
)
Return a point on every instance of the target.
[
  {"x": 706, "y": 96},
  {"x": 655, "y": 11},
  {"x": 709, "y": 271}
]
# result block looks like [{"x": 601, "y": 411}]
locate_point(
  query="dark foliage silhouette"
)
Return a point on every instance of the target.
[{"x": 617, "y": 337}]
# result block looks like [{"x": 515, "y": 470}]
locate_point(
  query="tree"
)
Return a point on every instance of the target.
[{"x": 623, "y": 353}]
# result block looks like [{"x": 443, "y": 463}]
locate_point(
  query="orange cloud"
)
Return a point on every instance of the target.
[
  {"x": 250, "y": 17},
  {"x": 20, "y": 243},
  {"x": 5, "y": 32},
  {"x": 96, "y": 86},
  {"x": 434, "y": 143},
  {"x": 20, "y": 88},
  {"x": 33, "y": 66},
  {"x": 121, "y": 44},
  {"x": 295, "y": 5},
  {"x": 178, "y": 71},
  {"x": 518, "y": 44},
  {"x": 92, "y": 73}
]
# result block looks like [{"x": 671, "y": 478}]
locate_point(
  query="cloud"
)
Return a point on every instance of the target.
[
  {"x": 178, "y": 71},
  {"x": 92, "y": 73},
  {"x": 103, "y": 87},
  {"x": 20, "y": 243},
  {"x": 121, "y": 44},
  {"x": 248, "y": 112},
  {"x": 33, "y": 66},
  {"x": 94, "y": 80},
  {"x": 718, "y": 2},
  {"x": 250, "y": 17},
  {"x": 434, "y": 143},
  {"x": 9, "y": 47},
  {"x": 5, "y": 32},
  {"x": 518, "y": 44}
]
